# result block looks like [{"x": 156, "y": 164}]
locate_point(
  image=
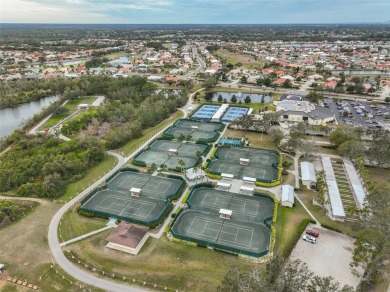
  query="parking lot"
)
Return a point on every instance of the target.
[
  {"x": 361, "y": 114},
  {"x": 330, "y": 256}
]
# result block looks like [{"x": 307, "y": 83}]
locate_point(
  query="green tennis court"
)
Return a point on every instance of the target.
[
  {"x": 245, "y": 208},
  {"x": 116, "y": 200},
  {"x": 255, "y": 156},
  {"x": 239, "y": 171},
  {"x": 262, "y": 164},
  {"x": 121, "y": 205},
  {"x": 249, "y": 238},
  {"x": 202, "y": 126},
  {"x": 190, "y": 134},
  {"x": 158, "y": 154}
]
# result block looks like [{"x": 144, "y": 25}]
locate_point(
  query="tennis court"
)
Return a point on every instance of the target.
[
  {"x": 245, "y": 208},
  {"x": 234, "y": 113},
  {"x": 116, "y": 200},
  {"x": 249, "y": 238},
  {"x": 158, "y": 154},
  {"x": 202, "y": 126},
  {"x": 190, "y": 134},
  {"x": 205, "y": 112},
  {"x": 262, "y": 163}
]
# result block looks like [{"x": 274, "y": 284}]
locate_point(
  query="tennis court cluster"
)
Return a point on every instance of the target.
[
  {"x": 170, "y": 153},
  {"x": 246, "y": 232},
  {"x": 234, "y": 113},
  {"x": 261, "y": 164},
  {"x": 116, "y": 200},
  {"x": 194, "y": 130}
]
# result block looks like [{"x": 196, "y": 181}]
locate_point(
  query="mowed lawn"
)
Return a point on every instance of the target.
[
  {"x": 257, "y": 140},
  {"x": 171, "y": 264},
  {"x": 74, "y": 225},
  {"x": 288, "y": 220},
  {"x": 381, "y": 176},
  {"x": 247, "y": 60}
]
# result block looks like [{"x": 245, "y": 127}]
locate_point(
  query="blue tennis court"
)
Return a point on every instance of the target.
[
  {"x": 205, "y": 112},
  {"x": 234, "y": 113}
]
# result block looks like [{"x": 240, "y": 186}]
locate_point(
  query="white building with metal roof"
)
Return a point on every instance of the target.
[
  {"x": 336, "y": 204},
  {"x": 356, "y": 184},
  {"x": 308, "y": 174}
]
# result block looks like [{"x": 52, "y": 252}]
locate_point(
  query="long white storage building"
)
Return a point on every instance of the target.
[{"x": 333, "y": 190}]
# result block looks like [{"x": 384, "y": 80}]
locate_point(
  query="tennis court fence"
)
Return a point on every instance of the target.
[{"x": 212, "y": 244}]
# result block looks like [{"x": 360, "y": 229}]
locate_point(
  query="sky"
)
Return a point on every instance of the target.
[{"x": 194, "y": 11}]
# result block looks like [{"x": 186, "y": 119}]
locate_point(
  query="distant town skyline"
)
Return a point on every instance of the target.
[{"x": 194, "y": 11}]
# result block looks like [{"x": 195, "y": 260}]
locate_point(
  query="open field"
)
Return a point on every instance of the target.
[
  {"x": 248, "y": 61},
  {"x": 29, "y": 256},
  {"x": 255, "y": 139},
  {"x": 175, "y": 265},
  {"x": 134, "y": 144},
  {"x": 379, "y": 175},
  {"x": 73, "y": 224}
]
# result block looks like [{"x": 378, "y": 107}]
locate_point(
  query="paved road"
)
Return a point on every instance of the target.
[
  {"x": 60, "y": 258},
  {"x": 54, "y": 243}
]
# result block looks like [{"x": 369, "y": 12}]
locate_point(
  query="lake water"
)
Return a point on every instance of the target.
[
  {"x": 12, "y": 117},
  {"x": 241, "y": 96}
]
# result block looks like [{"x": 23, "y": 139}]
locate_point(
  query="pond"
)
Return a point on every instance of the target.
[
  {"x": 12, "y": 117},
  {"x": 241, "y": 96}
]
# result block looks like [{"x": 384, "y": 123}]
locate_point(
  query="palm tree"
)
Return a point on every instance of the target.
[
  {"x": 195, "y": 170},
  {"x": 182, "y": 164}
]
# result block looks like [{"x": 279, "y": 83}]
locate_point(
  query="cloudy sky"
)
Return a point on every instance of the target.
[{"x": 194, "y": 11}]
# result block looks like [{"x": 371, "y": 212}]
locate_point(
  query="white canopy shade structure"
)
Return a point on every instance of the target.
[
  {"x": 247, "y": 179},
  {"x": 194, "y": 128},
  {"x": 223, "y": 186},
  {"x": 244, "y": 161},
  {"x": 225, "y": 214},
  {"x": 247, "y": 190},
  {"x": 136, "y": 192},
  {"x": 227, "y": 176},
  {"x": 219, "y": 113},
  {"x": 333, "y": 190},
  {"x": 357, "y": 187},
  {"x": 172, "y": 151},
  {"x": 83, "y": 106}
]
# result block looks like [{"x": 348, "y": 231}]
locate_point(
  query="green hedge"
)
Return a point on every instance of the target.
[
  {"x": 331, "y": 228},
  {"x": 138, "y": 163},
  {"x": 213, "y": 153},
  {"x": 214, "y": 176},
  {"x": 290, "y": 245},
  {"x": 185, "y": 198},
  {"x": 268, "y": 185}
]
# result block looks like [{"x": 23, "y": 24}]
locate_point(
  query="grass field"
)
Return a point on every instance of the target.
[
  {"x": 71, "y": 105},
  {"x": 379, "y": 175},
  {"x": 91, "y": 176},
  {"x": 26, "y": 254},
  {"x": 166, "y": 263},
  {"x": 257, "y": 140},
  {"x": 287, "y": 221},
  {"x": 232, "y": 57},
  {"x": 73, "y": 224},
  {"x": 21, "y": 209},
  {"x": 134, "y": 144}
]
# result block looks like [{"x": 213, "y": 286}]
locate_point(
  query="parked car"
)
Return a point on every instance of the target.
[
  {"x": 309, "y": 238},
  {"x": 312, "y": 232}
]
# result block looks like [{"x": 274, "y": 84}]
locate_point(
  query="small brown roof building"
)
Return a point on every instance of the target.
[{"x": 128, "y": 237}]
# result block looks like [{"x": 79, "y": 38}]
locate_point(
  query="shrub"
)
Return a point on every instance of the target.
[
  {"x": 284, "y": 172},
  {"x": 185, "y": 198},
  {"x": 213, "y": 153},
  {"x": 331, "y": 228},
  {"x": 268, "y": 185},
  {"x": 214, "y": 176},
  {"x": 139, "y": 163},
  {"x": 290, "y": 245},
  {"x": 84, "y": 213}
]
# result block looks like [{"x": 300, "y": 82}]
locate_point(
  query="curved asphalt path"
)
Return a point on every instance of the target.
[
  {"x": 54, "y": 243},
  {"x": 60, "y": 258}
]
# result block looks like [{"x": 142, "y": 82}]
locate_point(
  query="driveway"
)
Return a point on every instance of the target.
[{"x": 330, "y": 256}]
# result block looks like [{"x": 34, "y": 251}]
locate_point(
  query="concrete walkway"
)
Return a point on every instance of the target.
[{"x": 81, "y": 237}]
